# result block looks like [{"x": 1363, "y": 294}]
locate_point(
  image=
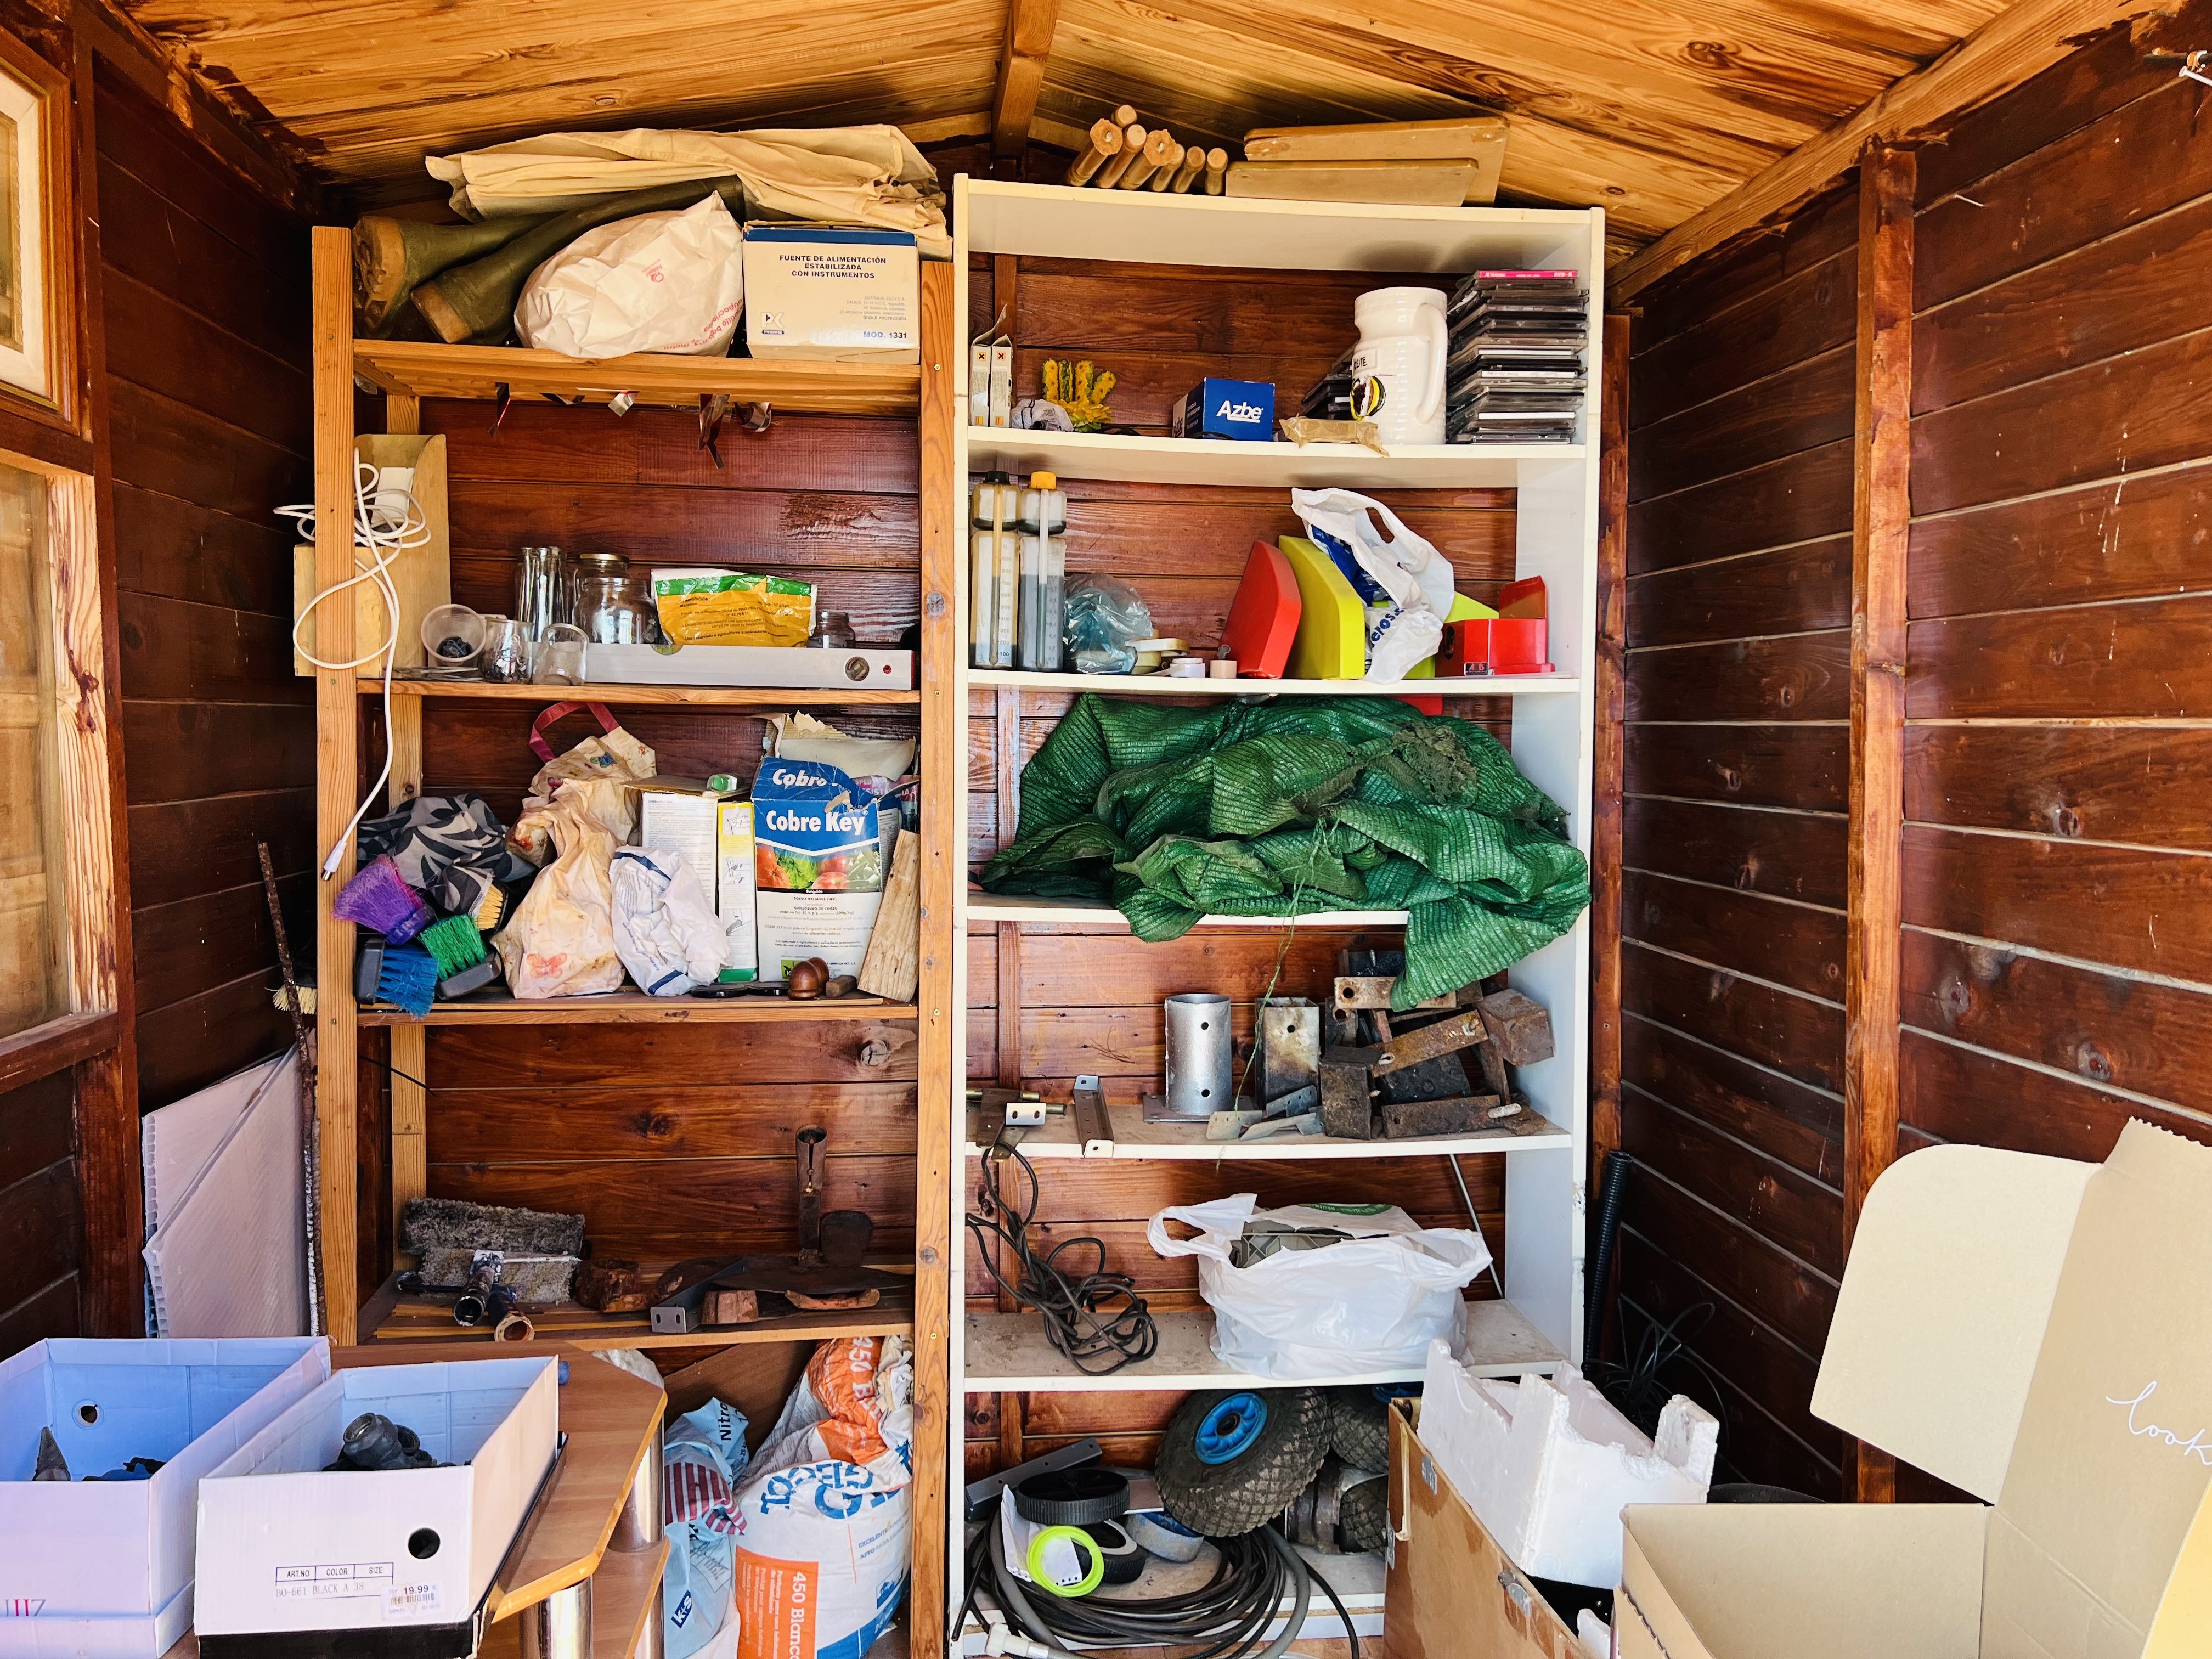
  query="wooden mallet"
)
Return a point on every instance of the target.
[
  {"x": 1105, "y": 143},
  {"x": 1133, "y": 147},
  {"x": 1169, "y": 168},
  {"x": 1158, "y": 148},
  {"x": 1217, "y": 170}
]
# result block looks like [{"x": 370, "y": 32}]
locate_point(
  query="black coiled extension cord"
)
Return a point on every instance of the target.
[
  {"x": 1226, "y": 1618},
  {"x": 1096, "y": 1319}
]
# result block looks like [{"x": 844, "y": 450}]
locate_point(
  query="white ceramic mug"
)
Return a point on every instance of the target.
[{"x": 1398, "y": 369}]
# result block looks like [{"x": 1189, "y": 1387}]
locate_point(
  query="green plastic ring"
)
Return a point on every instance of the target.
[{"x": 1090, "y": 1581}]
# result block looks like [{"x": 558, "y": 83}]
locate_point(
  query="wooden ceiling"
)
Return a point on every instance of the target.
[{"x": 1652, "y": 109}]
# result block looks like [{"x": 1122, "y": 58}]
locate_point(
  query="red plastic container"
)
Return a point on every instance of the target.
[
  {"x": 1515, "y": 642},
  {"x": 1263, "y": 620}
]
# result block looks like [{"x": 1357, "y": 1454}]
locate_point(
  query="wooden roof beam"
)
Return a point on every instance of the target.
[
  {"x": 1030, "y": 25},
  {"x": 2018, "y": 43}
]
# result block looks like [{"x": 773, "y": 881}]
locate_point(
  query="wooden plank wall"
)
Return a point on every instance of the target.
[
  {"x": 1738, "y": 615},
  {"x": 205, "y": 291},
  {"x": 42, "y": 1214},
  {"x": 672, "y": 1142},
  {"x": 1047, "y": 1003},
  {"x": 2056, "y": 955}
]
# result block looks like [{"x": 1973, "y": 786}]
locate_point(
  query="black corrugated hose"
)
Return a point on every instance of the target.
[{"x": 1613, "y": 1182}]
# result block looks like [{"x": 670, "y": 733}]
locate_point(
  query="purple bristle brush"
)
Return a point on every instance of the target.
[{"x": 379, "y": 896}]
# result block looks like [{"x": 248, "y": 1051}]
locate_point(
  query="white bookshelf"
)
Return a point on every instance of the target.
[{"x": 1538, "y": 1323}]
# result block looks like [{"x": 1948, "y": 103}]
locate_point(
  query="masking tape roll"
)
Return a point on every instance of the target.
[{"x": 1082, "y": 1540}]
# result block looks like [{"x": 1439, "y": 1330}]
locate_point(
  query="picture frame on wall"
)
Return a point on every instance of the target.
[{"x": 36, "y": 295}]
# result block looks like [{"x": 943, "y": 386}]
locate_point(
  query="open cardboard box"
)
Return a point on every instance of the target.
[{"x": 2036, "y": 1331}]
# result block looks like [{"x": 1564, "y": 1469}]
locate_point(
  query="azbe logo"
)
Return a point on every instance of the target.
[{"x": 1228, "y": 411}]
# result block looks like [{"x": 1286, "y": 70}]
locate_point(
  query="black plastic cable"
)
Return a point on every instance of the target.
[
  {"x": 1612, "y": 1183},
  {"x": 1095, "y": 1319}
]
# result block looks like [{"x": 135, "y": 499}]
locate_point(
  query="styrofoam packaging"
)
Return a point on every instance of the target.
[
  {"x": 103, "y": 1570},
  {"x": 1546, "y": 1465},
  {"x": 833, "y": 293},
  {"x": 286, "y": 1547},
  {"x": 737, "y": 889}
]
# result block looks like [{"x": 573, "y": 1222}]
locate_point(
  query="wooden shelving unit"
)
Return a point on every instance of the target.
[
  {"x": 408, "y": 373},
  {"x": 411, "y": 368},
  {"x": 1537, "y": 1324}
]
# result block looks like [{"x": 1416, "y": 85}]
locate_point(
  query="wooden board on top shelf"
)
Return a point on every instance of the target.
[
  {"x": 419, "y": 369},
  {"x": 1168, "y": 685},
  {"x": 996, "y": 907},
  {"x": 1133, "y": 1138},
  {"x": 713, "y": 696},
  {"x": 429, "y": 1319},
  {"x": 634, "y": 1008},
  {"x": 1110, "y": 455},
  {"x": 1010, "y": 1353}
]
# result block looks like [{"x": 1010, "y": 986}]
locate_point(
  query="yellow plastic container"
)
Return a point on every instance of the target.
[
  {"x": 1462, "y": 609},
  {"x": 1331, "y": 638}
]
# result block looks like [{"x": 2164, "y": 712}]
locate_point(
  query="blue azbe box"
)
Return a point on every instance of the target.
[{"x": 1227, "y": 409}]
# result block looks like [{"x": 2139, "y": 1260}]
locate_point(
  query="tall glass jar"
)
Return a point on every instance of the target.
[
  {"x": 611, "y": 605},
  {"x": 541, "y": 590}
]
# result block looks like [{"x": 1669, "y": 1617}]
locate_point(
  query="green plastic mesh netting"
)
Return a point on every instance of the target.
[{"x": 1297, "y": 804}]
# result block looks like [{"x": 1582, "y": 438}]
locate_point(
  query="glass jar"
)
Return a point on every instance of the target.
[
  {"x": 609, "y": 605},
  {"x": 560, "y": 656},
  {"x": 541, "y": 590},
  {"x": 833, "y": 631},
  {"x": 507, "y": 653}
]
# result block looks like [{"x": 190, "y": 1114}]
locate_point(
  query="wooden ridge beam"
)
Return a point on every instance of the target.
[
  {"x": 1030, "y": 25},
  {"x": 2020, "y": 42},
  {"x": 1881, "y": 520}
]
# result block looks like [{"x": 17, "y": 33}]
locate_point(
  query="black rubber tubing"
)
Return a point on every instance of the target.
[{"x": 1611, "y": 1185}]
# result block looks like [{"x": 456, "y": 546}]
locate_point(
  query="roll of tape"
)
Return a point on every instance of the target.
[
  {"x": 1082, "y": 1540},
  {"x": 1161, "y": 1533}
]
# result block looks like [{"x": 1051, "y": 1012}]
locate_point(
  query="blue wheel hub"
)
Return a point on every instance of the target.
[{"x": 1227, "y": 1432}]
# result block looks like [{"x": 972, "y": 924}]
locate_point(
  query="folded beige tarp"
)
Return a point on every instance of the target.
[{"x": 870, "y": 176}]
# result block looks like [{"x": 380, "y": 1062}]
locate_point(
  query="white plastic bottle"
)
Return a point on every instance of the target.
[
  {"x": 992, "y": 539},
  {"x": 1043, "y": 527}
]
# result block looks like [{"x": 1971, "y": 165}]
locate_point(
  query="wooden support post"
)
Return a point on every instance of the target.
[
  {"x": 944, "y": 777},
  {"x": 1881, "y": 520},
  {"x": 1027, "y": 44},
  {"x": 410, "y": 1043},
  {"x": 1610, "y": 763},
  {"x": 337, "y": 729}
]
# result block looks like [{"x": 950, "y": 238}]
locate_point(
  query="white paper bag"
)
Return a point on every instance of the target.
[
  {"x": 671, "y": 281},
  {"x": 666, "y": 931}
]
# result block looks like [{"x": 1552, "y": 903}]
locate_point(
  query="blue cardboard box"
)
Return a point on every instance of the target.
[{"x": 1227, "y": 409}]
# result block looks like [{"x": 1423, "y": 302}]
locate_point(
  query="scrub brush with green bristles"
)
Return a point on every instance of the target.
[{"x": 458, "y": 948}]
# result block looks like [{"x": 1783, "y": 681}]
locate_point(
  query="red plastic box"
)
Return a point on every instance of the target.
[{"x": 1515, "y": 642}]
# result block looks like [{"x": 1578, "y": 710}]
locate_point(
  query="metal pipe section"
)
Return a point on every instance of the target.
[
  {"x": 1199, "y": 1055},
  {"x": 638, "y": 1526},
  {"x": 560, "y": 1626}
]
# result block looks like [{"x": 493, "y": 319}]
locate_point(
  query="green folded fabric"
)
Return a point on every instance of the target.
[{"x": 1299, "y": 805}]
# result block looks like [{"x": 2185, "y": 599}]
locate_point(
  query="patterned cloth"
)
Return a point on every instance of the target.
[
  {"x": 1294, "y": 805},
  {"x": 451, "y": 848}
]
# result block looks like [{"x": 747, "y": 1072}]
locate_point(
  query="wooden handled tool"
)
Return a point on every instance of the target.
[
  {"x": 1105, "y": 143},
  {"x": 1194, "y": 162},
  {"x": 1217, "y": 170},
  {"x": 1158, "y": 148},
  {"x": 1125, "y": 115},
  {"x": 1172, "y": 165},
  {"x": 1133, "y": 147}
]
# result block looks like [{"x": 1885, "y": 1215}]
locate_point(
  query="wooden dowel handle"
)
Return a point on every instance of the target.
[
  {"x": 1168, "y": 170},
  {"x": 1125, "y": 116},
  {"x": 1105, "y": 142},
  {"x": 1133, "y": 146},
  {"x": 1140, "y": 168},
  {"x": 1160, "y": 149},
  {"x": 1194, "y": 162},
  {"x": 1217, "y": 170}
]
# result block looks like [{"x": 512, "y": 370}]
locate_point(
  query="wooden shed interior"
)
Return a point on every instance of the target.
[{"x": 1900, "y": 440}]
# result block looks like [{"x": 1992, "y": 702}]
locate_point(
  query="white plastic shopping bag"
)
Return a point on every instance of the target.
[
  {"x": 666, "y": 931},
  {"x": 1370, "y": 1301},
  {"x": 1409, "y": 583},
  {"x": 671, "y": 281}
]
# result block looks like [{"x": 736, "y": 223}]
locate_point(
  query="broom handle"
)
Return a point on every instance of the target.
[{"x": 311, "y": 1147}]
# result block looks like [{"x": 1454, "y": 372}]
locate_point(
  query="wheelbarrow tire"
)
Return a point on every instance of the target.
[{"x": 1232, "y": 1459}]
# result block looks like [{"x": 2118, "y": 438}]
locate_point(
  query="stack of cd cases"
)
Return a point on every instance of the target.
[{"x": 1516, "y": 373}]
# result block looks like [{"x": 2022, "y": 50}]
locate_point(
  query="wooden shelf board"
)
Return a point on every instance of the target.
[
  {"x": 1009, "y": 1353},
  {"x": 1164, "y": 685},
  {"x": 636, "y": 1008},
  {"x": 1115, "y": 456},
  {"x": 429, "y": 1320},
  {"x": 715, "y": 696},
  {"x": 1136, "y": 1139},
  {"x": 420, "y": 369},
  {"x": 995, "y": 907}
]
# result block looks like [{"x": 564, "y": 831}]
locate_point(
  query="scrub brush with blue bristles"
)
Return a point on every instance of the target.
[{"x": 408, "y": 979}]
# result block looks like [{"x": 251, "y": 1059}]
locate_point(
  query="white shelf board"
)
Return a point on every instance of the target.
[
  {"x": 1168, "y": 685},
  {"x": 1009, "y": 1353},
  {"x": 1271, "y": 465},
  {"x": 1250, "y": 233},
  {"x": 1136, "y": 1139},
  {"x": 995, "y": 907}
]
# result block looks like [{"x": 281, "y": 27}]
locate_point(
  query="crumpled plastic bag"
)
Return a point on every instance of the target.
[
  {"x": 562, "y": 940},
  {"x": 613, "y": 758},
  {"x": 666, "y": 931},
  {"x": 1370, "y": 1302},
  {"x": 669, "y": 282},
  {"x": 702, "y": 1453},
  {"x": 1409, "y": 585}
]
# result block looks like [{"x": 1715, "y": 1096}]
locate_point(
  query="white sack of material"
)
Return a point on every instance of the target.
[
  {"x": 860, "y": 175},
  {"x": 666, "y": 931},
  {"x": 671, "y": 281}
]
